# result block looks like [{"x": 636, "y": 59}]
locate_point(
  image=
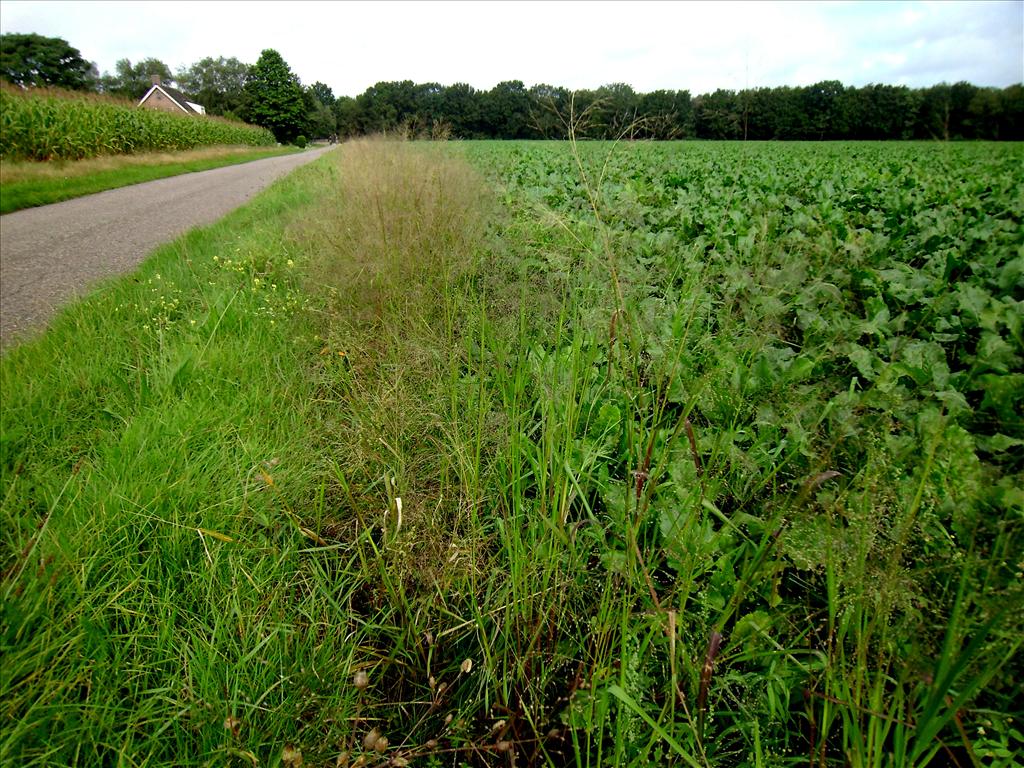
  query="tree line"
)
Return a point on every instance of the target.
[
  {"x": 825, "y": 110},
  {"x": 267, "y": 93}
]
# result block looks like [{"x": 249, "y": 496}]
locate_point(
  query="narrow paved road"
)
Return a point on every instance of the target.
[{"x": 52, "y": 254}]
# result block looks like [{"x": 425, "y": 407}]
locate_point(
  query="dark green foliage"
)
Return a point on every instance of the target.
[
  {"x": 218, "y": 84},
  {"x": 386, "y": 105},
  {"x": 34, "y": 60},
  {"x": 320, "y": 120},
  {"x": 275, "y": 97},
  {"x": 827, "y": 110},
  {"x": 346, "y": 116},
  {"x": 460, "y": 106},
  {"x": 131, "y": 81},
  {"x": 506, "y": 111},
  {"x": 323, "y": 93}
]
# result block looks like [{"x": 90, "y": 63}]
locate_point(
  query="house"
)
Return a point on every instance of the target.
[{"x": 168, "y": 99}]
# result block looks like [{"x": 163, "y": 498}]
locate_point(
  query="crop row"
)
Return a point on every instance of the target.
[{"x": 49, "y": 126}]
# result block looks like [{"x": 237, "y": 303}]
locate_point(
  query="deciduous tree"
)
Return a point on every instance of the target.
[
  {"x": 275, "y": 97},
  {"x": 323, "y": 93},
  {"x": 218, "y": 84},
  {"x": 34, "y": 60},
  {"x": 132, "y": 81}
]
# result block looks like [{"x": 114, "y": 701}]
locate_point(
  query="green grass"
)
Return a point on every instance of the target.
[
  {"x": 596, "y": 455},
  {"x": 136, "y": 435},
  {"x": 65, "y": 181}
]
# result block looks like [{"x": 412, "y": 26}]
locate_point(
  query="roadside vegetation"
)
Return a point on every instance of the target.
[
  {"x": 27, "y": 184},
  {"x": 535, "y": 454},
  {"x": 50, "y": 124}
]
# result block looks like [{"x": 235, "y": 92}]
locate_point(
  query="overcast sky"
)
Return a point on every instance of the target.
[{"x": 650, "y": 45}]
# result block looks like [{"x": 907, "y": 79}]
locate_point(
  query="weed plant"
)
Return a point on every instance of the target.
[{"x": 772, "y": 404}]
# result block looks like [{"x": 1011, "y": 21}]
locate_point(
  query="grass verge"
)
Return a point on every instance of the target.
[
  {"x": 152, "y": 441},
  {"x": 30, "y": 184}
]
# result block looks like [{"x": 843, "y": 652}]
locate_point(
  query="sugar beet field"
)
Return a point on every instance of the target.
[{"x": 498, "y": 453}]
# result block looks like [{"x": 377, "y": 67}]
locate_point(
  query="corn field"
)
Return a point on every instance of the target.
[{"x": 55, "y": 125}]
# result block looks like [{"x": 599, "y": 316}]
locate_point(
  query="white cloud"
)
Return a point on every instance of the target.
[{"x": 676, "y": 45}]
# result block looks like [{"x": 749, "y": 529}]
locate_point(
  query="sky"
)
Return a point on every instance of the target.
[{"x": 693, "y": 46}]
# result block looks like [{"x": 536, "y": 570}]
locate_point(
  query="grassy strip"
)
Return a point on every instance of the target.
[
  {"x": 155, "y": 442},
  {"x": 27, "y": 185}
]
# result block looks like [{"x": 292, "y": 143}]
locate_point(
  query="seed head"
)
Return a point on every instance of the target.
[
  {"x": 467, "y": 666},
  {"x": 360, "y": 680},
  {"x": 291, "y": 756},
  {"x": 232, "y": 723},
  {"x": 370, "y": 739}
]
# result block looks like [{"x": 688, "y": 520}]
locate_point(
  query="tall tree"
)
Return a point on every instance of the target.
[
  {"x": 320, "y": 120},
  {"x": 615, "y": 110},
  {"x": 664, "y": 115},
  {"x": 132, "y": 81},
  {"x": 460, "y": 104},
  {"x": 935, "y": 113},
  {"x": 1012, "y": 113},
  {"x": 549, "y": 111},
  {"x": 275, "y": 97},
  {"x": 506, "y": 111},
  {"x": 34, "y": 60},
  {"x": 387, "y": 105},
  {"x": 218, "y": 84},
  {"x": 823, "y": 108},
  {"x": 323, "y": 93},
  {"x": 718, "y": 115},
  {"x": 346, "y": 115},
  {"x": 886, "y": 111}
]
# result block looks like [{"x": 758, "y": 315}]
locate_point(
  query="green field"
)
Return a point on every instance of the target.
[{"x": 497, "y": 453}]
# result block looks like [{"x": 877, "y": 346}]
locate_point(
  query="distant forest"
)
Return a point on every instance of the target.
[
  {"x": 825, "y": 110},
  {"x": 268, "y": 93}
]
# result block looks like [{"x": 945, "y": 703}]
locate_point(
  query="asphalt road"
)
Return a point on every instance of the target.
[{"x": 52, "y": 254}]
